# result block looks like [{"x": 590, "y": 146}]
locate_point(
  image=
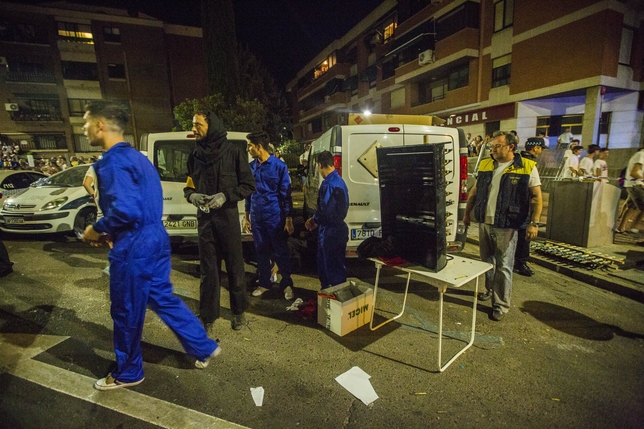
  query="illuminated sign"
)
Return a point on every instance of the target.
[{"x": 489, "y": 114}]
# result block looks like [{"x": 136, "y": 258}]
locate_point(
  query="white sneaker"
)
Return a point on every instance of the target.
[
  {"x": 259, "y": 291},
  {"x": 288, "y": 293},
  {"x": 109, "y": 383},
  {"x": 201, "y": 364},
  {"x": 274, "y": 278}
]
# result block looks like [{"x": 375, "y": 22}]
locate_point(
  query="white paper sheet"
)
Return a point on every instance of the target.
[
  {"x": 258, "y": 395},
  {"x": 357, "y": 382}
]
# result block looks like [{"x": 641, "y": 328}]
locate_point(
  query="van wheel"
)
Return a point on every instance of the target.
[{"x": 84, "y": 218}]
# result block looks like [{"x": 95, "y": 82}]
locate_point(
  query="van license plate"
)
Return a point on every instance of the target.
[
  {"x": 14, "y": 220},
  {"x": 361, "y": 234},
  {"x": 180, "y": 224}
]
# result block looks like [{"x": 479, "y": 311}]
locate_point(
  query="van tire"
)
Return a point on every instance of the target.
[{"x": 84, "y": 218}]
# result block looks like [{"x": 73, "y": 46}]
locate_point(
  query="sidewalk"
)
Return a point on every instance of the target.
[{"x": 627, "y": 280}]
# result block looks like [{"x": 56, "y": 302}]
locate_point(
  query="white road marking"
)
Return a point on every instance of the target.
[{"x": 17, "y": 351}]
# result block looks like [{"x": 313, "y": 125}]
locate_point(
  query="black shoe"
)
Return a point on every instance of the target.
[
  {"x": 523, "y": 269},
  {"x": 6, "y": 272},
  {"x": 485, "y": 296},
  {"x": 238, "y": 322},
  {"x": 497, "y": 315}
]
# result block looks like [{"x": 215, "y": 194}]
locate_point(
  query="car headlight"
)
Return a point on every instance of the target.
[
  {"x": 54, "y": 204},
  {"x": 74, "y": 204}
]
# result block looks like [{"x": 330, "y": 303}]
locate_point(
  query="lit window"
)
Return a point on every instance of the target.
[{"x": 75, "y": 32}]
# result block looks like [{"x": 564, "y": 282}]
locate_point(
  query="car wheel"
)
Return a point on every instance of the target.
[{"x": 85, "y": 217}]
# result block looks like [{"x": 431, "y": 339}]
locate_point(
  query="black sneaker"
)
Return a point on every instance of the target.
[
  {"x": 523, "y": 269},
  {"x": 485, "y": 296},
  {"x": 238, "y": 322},
  {"x": 497, "y": 315}
]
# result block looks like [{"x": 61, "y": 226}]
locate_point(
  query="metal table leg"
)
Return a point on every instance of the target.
[
  {"x": 375, "y": 294},
  {"x": 440, "y": 328}
]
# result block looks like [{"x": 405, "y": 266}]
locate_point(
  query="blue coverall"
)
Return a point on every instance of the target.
[
  {"x": 269, "y": 206},
  {"x": 333, "y": 233},
  {"x": 132, "y": 205}
]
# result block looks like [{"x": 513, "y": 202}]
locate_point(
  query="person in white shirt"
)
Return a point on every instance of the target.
[
  {"x": 565, "y": 139},
  {"x": 586, "y": 164},
  {"x": 601, "y": 167},
  {"x": 571, "y": 164},
  {"x": 634, "y": 184}
]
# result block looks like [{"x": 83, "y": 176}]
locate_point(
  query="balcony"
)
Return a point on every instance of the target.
[
  {"x": 36, "y": 116},
  {"x": 31, "y": 77},
  {"x": 340, "y": 71}
]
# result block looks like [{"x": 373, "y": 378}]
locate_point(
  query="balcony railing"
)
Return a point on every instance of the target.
[
  {"x": 31, "y": 77},
  {"x": 36, "y": 116}
]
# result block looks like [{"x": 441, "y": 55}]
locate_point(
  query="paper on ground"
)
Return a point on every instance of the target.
[
  {"x": 258, "y": 395},
  {"x": 357, "y": 382}
]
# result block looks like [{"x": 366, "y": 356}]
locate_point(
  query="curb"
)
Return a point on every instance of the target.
[{"x": 588, "y": 277}]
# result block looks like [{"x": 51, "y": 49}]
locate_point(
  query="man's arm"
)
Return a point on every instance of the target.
[
  {"x": 245, "y": 180},
  {"x": 636, "y": 171},
  {"x": 537, "y": 205},
  {"x": 87, "y": 184},
  {"x": 469, "y": 206}
]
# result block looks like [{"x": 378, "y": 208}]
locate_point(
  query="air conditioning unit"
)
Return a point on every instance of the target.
[
  {"x": 3, "y": 61},
  {"x": 426, "y": 57},
  {"x": 11, "y": 107},
  {"x": 327, "y": 98}
]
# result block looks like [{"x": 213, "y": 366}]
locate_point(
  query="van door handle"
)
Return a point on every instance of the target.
[{"x": 371, "y": 225}]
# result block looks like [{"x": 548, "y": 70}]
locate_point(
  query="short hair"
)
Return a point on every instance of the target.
[
  {"x": 593, "y": 148},
  {"x": 509, "y": 138},
  {"x": 259, "y": 138},
  {"x": 325, "y": 159},
  {"x": 203, "y": 111},
  {"x": 574, "y": 141},
  {"x": 112, "y": 111},
  {"x": 576, "y": 148},
  {"x": 603, "y": 149}
]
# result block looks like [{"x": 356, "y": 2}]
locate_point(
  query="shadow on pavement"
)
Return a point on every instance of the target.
[{"x": 574, "y": 323}]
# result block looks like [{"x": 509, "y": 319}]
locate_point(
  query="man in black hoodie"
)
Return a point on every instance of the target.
[{"x": 218, "y": 178}]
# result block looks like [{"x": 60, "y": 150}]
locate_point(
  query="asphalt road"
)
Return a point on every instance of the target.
[{"x": 568, "y": 355}]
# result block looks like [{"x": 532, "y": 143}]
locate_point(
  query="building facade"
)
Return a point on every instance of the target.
[
  {"x": 53, "y": 60},
  {"x": 486, "y": 65}
]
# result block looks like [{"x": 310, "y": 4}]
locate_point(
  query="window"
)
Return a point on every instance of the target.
[
  {"x": 171, "y": 159},
  {"x": 369, "y": 75},
  {"x": 37, "y": 107},
  {"x": 604, "y": 123},
  {"x": 112, "y": 34},
  {"x": 28, "y": 69},
  {"x": 503, "y": 14},
  {"x": 73, "y": 32},
  {"x": 438, "y": 89},
  {"x": 555, "y": 125},
  {"x": 75, "y": 70},
  {"x": 77, "y": 106},
  {"x": 501, "y": 71},
  {"x": 315, "y": 126},
  {"x": 398, "y": 98},
  {"x": 574, "y": 122},
  {"x": 327, "y": 121},
  {"x": 459, "y": 78},
  {"x": 22, "y": 33},
  {"x": 116, "y": 71},
  {"x": 626, "y": 46},
  {"x": 388, "y": 69},
  {"x": 351, "y": 84},
  {"x": 324, "y": 66},
  {"x": 465, "y": 16},
  {"x": 543, "y": 125}
]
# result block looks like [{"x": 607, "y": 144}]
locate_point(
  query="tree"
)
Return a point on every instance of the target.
[
  {"x": 220, "y": 44},
  {"x": 243, "y": 115}
]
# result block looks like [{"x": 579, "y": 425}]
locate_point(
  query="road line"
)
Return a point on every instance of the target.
[{"x": 17, "y": 351}]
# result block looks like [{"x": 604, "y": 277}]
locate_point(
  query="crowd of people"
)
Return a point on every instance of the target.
[{"x": 13, "y": 158}]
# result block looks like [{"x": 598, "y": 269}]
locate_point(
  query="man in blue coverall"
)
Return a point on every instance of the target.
[
  {"x": 269, "y": 214},
  {"x": 333, "y": 233},
  {"x": 132, "y": 205}
]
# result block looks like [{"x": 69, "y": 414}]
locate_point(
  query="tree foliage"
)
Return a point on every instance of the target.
[{"x": 243, "y": 115}]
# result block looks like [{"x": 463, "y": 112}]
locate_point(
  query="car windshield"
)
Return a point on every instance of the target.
[{"x": 68, "y": 178}]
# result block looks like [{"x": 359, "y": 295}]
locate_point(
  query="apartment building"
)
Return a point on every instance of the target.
[
  {"x": 486, "y": 65},
  {"x": 56, "y": 58}
]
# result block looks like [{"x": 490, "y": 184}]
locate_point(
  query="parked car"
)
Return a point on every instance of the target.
[
  {"x": 14, "y": 181},
  {"x": 54, "y": 204}
]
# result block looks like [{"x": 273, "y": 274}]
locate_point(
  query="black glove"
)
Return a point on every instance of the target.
[{"x": 197, "y": 199}]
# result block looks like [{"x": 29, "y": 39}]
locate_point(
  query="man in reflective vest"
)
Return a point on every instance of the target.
[{"x": 507, "y": 190}]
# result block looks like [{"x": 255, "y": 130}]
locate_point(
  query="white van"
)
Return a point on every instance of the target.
[
  {"x": 348, "y": 143},
  {"x": 169, "y": 153}
]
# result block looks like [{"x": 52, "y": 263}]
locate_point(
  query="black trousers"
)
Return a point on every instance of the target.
[
  {"x": 522, "y": 253},
  {"x": 5, "y": 263},
  {"x": 220, "y": 239}
]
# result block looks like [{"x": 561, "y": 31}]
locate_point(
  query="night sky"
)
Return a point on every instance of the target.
[{"x": 284, "y": 34}]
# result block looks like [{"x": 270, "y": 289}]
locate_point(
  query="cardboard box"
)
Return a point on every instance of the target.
[
  {"x": 348, "y": 313},
  {"x": 381, "y": 118}
]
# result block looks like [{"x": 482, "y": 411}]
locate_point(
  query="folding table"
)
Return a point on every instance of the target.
[{"x": 456, "y": 273}]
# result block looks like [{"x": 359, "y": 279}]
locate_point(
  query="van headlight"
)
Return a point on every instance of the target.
[{"x": 54, "y": 204}]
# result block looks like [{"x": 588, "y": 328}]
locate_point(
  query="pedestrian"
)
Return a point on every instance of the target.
[
  {"x": 218, "y": 178},
  {"x": 601, "y": 166},
  {"x": 303, "y": 168},
  {"x": 634, "y": 184},
  {"x": 570, "y": 169},
  {"x": 545, "y": 138},
  {"x": 132, "y": 204},
  {"x": 328, "y": 219},
  {"x": 6, "y": 266},
  {"x": 90, "y": 183},
  {"x": 586, "y": 165},
  {"x": 534, "y": 146},
  {"x": 564, "y": 139},
  {"x": 268, "y": 216},
  {"x": 507, "y": 188},
  {"x": 278, "y": 155}
]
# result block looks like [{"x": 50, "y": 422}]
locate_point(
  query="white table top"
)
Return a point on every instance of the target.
[{"x": 456, "y": 273}]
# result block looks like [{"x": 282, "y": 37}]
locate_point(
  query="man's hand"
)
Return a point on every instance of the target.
[
  {"x": 531, "y": 232},
  {"x": 288, "y": 227},
  {"x": 466, "y": 220},
  {"x": 94, "y": 238},
  {"x": 247, "y": 226},
  {"x": 197, "y": 199},
  {"x": 215, "y": 201},
  {"x": 310, "y": 225}
]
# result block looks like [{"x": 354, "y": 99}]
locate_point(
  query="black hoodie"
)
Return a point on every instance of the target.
[{"x": 216, "y": 165}]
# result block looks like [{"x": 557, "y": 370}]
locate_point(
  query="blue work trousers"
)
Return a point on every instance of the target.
[
  {"x": 140, "y": 277},
  {"x": 332, "y": 248},
  {"x": 271, "y": 241},
  {"x": 497, "y": 246}
]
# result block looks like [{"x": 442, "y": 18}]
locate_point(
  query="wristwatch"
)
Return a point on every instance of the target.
[{"x": 534, "y": 224}]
